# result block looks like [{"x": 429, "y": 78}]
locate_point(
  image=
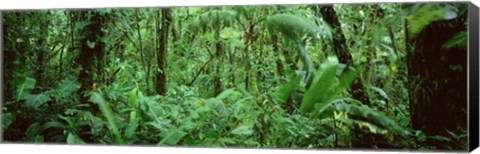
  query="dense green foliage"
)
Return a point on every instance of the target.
[{"x": 244, "y": 76}]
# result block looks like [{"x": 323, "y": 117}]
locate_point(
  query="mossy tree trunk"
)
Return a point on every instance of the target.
[
  {"x": 328, "y": 14},
  {"x": 161, "y": 85},
  {"x": 91, "y": 52},
  {"x": 438, "y": 79},
  {"x": 41, "y": 49}
]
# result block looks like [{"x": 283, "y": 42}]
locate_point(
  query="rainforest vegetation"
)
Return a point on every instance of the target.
[{"x": 381, "y": 76}]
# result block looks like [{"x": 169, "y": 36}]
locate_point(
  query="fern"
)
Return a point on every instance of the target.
[{"x": 363, "y": 114}]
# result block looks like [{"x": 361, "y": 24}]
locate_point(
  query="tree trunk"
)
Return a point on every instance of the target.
[
  {"x": 9, "y": 58},
  {"x": 438, "y": 79},
  {"x": 71, "y": 22},
  {"x": 218, "y": 66},
  {"x": 16, "y": 46},
  {"x": 218, "y": 60},
  {"x": 340, "y": 48},
  {"x": 91, "y": 52},
  {"x": 278, "y": 61},
  {"x": 91, "y": 59},
  {"x": 42, "y": 46},
  {"x": 145, "y": 64},
  {"x": 231, "y": 60},
  {"x": 162, "y": 52}
]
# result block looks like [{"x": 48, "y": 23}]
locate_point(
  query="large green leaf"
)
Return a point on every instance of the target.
[
  {"x": 459, "y": 40},
  {"x": 242, "y": 130},
  {"x": 344, "y": 81},
  {"x": 322, "y": 83},
  {"x": 131, "y": 129},
  {"x": 90, "y": 44},
  {"x": 379, "y": 91},
  {"x": 74, "y": 139},
  {"x": 326, "y": 87},
  {"x": 34, "y": 101},
  {"x": 292, "y": 26},
  {"x": 81, "y": 24},
  {"x": 68, "y": 86},
  {"x": 347, "y": 78},
  {"x": 440, "y": 138},
  {"x": 308, "y": 62},
  {"x": 245, "y": 128},
  {"x": 33, "y": 129},
  {"x": 230, "y": 32},
  {"x": 371, "y": 116},
  {"x": 286, "y": 90},
  {"x": 173, "y": 137},
  {"x": 236, "y": 43},
  {"x": 133, "y": 98},
  {"x": 103, "y": 104},
  {"x": 227, "y": 93},
  {"x": 53, "y": 124},
  {"x": 23, "y": 90},
  {"x": 7, "y": 119}
]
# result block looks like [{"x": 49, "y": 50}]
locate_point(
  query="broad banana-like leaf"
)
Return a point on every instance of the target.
[
  {"x": 342, "y": 83},
  {"x": 308, "y": 62},
  {"x": 292, "y": 26},
  {"x": 322, "y": 84},
  {"x": 103, "y": 104},
  {"x": 286, "y": 90},
  {"x": 173, "y": 137},
  {"x": 459, "y": 40},
  {"x": 7, "y": 119},
  {"x": 74, "y": 139},
  {"x": 35, "y": 101},
  {"x": 133, "y": 98},
  {"x": 23, "y": 90}
]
